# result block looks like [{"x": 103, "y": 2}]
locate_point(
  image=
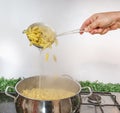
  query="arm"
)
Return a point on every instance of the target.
[{"x": 101, "y": 23}]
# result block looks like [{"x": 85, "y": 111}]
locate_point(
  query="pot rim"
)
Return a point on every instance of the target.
[{"x": 76, "y": 82}]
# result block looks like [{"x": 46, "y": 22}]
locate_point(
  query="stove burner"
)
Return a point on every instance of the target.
[{"x": 94, "y": 98}]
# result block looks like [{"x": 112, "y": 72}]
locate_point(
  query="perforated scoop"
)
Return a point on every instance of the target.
[{"x": 42, "y": 36}]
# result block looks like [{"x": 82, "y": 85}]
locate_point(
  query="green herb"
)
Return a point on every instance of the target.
[
  {"x": 101, "y": 87},
  {"x": 95, "y": 86},
  {"x": 8, "y": 82}
]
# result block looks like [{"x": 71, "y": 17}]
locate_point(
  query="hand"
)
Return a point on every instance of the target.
[{"x": 101, "y": 23}]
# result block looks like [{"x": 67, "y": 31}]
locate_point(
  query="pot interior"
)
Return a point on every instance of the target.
[{"x": 54, "y": 82}]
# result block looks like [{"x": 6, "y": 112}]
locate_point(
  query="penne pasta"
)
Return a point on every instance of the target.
[
  {"x": 40, "y": 36},
  {"x": 47, "y": 94}
]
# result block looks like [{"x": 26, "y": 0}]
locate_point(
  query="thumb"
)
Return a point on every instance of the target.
[{"x": 93, "y": 25}]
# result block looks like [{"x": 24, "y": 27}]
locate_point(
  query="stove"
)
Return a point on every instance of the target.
[{"x": 98, "y": 102}]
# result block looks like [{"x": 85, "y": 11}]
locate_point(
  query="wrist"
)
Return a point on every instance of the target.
[{"x": 117, "y": 16}]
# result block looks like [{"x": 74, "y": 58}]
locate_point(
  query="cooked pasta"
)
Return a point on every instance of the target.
[
  {"x": 40, "y": 36},
  {"x": 55, "y": 58},
  {"x": 46, "y": 57},
  {"x": 47, "y": 94}
]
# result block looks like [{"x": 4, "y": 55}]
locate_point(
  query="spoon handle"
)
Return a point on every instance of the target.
[{"x": 71, "y": 32}]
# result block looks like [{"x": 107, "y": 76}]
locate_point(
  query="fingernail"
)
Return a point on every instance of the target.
[{"x": 86, "y": 29}]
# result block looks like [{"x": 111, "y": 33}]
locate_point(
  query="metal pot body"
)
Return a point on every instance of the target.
[
  {"x": 69, "y": 105},
  {"x": 65, "y": 105}
]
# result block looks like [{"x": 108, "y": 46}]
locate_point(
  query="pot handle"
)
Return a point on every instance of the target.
[
  {"x": 68, "y": 76},
  {"x": 90, "y": 91},
  {"x": 6, "y": 92}
]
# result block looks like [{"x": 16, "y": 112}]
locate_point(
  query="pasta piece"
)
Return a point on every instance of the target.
[
  {"x": 46, "y": 56},
  {"x": 55, "y": 58},
  {"x": 47, "y": 94}
]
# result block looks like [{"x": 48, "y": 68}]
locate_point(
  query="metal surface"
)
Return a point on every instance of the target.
[
  {"x": 70, "y": 105},
  {"x": 44, "y": 81},
  {"x": 28, "y": 105},
  {"x": 53, "y": 31},
  {"x": 110, "y": 103},
  {"x": 47, "y": 28}
]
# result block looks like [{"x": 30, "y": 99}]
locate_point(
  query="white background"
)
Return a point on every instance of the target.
[{"x": 84, "y": 57}]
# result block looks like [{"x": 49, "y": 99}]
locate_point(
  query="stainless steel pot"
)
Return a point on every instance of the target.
[{"x": 67, "y": 105}]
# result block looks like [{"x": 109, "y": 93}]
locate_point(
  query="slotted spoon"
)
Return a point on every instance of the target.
[{"x": 53, "y": 32}]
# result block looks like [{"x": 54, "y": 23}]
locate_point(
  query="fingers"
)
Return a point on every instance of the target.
[
  {"x": 92, "y": 28},
  {"x": 101, "y": 23},
  {"x": 95, "y": 27},
  {"x": 100, "y": 31},
  {"x": 88, "y": 24},
  {"x": 84, "y": 26},
  {"x": 104, "y": 31},
  {"x": 114, "y": 26}
]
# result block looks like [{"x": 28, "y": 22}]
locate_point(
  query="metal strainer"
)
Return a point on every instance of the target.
[{"x": 42, "y": 36}]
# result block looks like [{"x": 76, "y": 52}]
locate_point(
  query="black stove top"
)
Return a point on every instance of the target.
[
  {"x": 95, "y": 104},
  {"x": 7, "y": 104}
]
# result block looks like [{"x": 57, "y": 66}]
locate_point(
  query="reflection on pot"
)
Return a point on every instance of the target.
[
  {"x": 70, "y": 105},
  {"x": 64, "y": 105}
]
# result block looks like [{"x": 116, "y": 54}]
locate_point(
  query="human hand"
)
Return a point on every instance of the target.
[{"x": 101, "y": 23}]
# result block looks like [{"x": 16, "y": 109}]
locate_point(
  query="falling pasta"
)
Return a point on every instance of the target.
[{"x": 42, "y": 37}]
